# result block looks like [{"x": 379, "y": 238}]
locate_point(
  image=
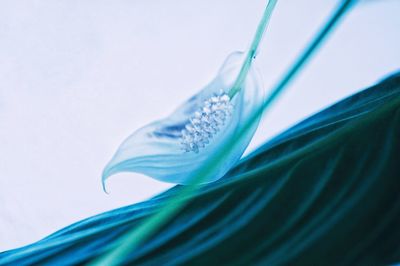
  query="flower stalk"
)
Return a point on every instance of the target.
[
  {"x": 137, "y": 235},
  {"x": 253, "y": 50}
]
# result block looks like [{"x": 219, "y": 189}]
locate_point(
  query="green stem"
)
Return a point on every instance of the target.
[
  {"x": 137, "y": 235},
  {"x": 310, "y": 50},
  {"x": 252, "y": 52},
  {"x": 343, "y": 8},
  {"x": 133, "y": 238}
]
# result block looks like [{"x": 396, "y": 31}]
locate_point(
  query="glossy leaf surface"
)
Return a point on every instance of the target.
[{"x": 325, "y": 192}]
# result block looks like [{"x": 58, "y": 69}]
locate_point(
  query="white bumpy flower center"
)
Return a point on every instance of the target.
[{"x": 206, "y": 122}]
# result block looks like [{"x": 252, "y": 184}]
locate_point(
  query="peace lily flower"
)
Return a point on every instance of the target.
[{"x": 173, "y": 149}]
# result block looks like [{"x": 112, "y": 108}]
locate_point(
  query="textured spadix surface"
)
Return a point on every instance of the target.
[
  {"x": 325, "y": 192},
  {"x": 175, "y": 148}
]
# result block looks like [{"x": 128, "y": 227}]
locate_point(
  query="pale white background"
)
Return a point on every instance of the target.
[{"x": 77, "y": 77}]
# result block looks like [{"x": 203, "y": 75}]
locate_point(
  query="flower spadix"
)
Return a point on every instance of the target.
[{"x": 173, "y": 149}]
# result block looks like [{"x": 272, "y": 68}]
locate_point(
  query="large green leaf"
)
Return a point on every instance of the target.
[{"x": 325, "y": 192}]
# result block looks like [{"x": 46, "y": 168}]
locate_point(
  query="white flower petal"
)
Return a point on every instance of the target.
[{"x": 174, "y": 148}]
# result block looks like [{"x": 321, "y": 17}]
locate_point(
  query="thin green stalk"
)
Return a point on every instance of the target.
[
  {"x": 252, "y": 52},
  {"x": 133, "y": 238},
  {"x": 310, "y": 50},
  {"x": 300, "y": 62},
  {"x": 175, "y": 204},
  {"x": 139, "y": 234}
]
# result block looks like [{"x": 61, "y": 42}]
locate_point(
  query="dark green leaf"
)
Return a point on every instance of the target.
[{"x": 325, "y": 192}]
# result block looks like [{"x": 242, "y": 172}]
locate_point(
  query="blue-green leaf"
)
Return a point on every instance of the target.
[{"x": 324, "y": 192}]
